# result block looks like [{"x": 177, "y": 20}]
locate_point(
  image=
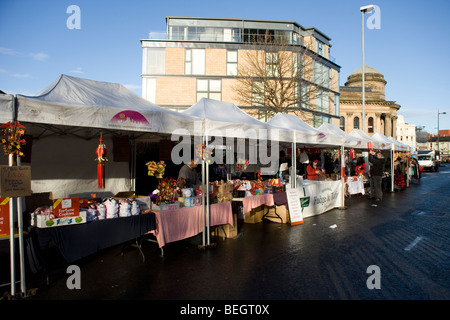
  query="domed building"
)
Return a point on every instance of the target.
[{"x": 380, "y": 114}]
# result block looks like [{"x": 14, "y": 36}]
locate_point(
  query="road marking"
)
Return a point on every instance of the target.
[{"x": 414, "y": 243}]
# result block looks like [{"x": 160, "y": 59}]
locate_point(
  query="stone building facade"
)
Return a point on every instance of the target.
[{"x": 380, "y": 114}]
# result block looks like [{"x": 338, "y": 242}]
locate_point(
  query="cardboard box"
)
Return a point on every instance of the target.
[
  {"x": 66, "y": 207},
  {"x": 230, "y": 231},
  {"x": 43, "y": 221},
  {"x": 255, "y": 215},
  {"x": 282, "y": 212}
]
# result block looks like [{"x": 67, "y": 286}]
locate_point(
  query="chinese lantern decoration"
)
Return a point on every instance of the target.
[
  {"x": 101, "y": 159},
  {"x": 12, "y": 142},
  {"x": 151, "y": 168}
]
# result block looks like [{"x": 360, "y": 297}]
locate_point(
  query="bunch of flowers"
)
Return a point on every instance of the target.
[{"x": 168, "y": 191}]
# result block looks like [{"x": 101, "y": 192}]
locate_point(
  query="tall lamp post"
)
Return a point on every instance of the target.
[
  {"x": 364, "y": 10},
  {"x": 439, "y": 113}
]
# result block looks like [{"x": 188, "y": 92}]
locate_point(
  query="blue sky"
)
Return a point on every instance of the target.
[{"x": 411, "y": 48}]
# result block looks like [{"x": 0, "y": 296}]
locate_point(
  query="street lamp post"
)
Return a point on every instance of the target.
[
  {"x": 439, "y": 113},
  {"x": 364, "y": 10}
]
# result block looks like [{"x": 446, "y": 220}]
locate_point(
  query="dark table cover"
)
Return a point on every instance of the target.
[
  {"x": 79, "y": 241},
  {"x": 280, "y": 198}
]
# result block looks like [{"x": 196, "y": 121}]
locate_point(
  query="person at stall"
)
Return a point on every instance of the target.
[
  {"x": 189, "y": 173},
  {"x": 378, "y": 166},
  {"x": 313, "y": 171}
]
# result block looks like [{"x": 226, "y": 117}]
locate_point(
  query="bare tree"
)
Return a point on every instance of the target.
[{"x": 276, "y": 76}]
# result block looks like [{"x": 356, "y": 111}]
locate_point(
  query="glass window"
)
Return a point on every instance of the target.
[
  {"x": 370, "y": 125},
  {"x": 232, "y": 59},
  {"x": 156, "y": 61},
  {"x": 195, "y": 61},
  {"x": 356, "y": 123},
  {"x": 209, "y": 88},
  {"x": 322, "y": 101},
  {"x": 342, "y": 124}
]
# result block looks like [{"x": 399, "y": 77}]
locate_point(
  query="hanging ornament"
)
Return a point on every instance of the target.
[
  {"x": 203, "y": 152},
  {"x": 12, "y": 142},
  {"x": 101, "y": 159},
  {"x": 160, "y": 168}
]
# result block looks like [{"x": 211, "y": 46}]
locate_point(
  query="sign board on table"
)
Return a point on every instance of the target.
[
  {"x": 15, "y": 181},
  {"x": 67, "y": 207}
]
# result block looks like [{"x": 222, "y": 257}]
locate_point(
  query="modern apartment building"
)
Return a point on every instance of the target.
[
  {"x": 406, "y": 133},
  {"x": 201, "y": 57}
]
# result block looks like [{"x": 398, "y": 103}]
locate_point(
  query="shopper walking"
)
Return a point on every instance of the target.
[{"x": 378, "y": 166}]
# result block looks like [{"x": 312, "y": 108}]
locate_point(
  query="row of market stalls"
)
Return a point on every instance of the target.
[{"x": 65, "y": 122}]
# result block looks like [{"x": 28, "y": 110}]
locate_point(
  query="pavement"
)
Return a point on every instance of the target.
[{"x": 329, "y": 257}]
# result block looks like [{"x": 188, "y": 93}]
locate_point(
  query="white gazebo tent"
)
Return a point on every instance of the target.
[
  {"x": 83, "y": 108},
  {"x": 7, "y": 114},
  {"x": 349, "y": 140},
  {"x": 298, "y": 131},
  {"x": 295, "y": 130},
  {"x": 223, "y": 119},
  {"x": 72, "y": 106}
]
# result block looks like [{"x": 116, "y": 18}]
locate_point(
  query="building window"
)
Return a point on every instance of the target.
[
  {"x": 155, "y": 61},
  {"x": 271, "y": 64},
  {"x": 209, "y": 88},
  {"x": 195, "y": 61},
  {"x": 320, "y": 48},
  {"x": 232, "y": 62},
  {"x": 370, "y": 125},
  {"x": 322, "y": 101},
  {"x": 356, "y": 123},
  {"x": 321, "y": 75},
  {"x": 342, "y": 124},
  {"x": 258, "y": 94}
]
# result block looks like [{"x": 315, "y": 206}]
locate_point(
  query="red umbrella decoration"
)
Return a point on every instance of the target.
[
  {"x": 101, "y": 159},
  {"x": 12, "y": 143}
]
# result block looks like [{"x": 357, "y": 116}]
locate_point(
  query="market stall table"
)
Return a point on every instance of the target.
[
  {"x": 186, "y": 222},
  {"x": 355, "y": 185},
  {"x": 81, "y": 240}
]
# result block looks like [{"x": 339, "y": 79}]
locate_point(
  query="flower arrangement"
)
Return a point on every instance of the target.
[
  {"x": 168, "y": 191},
  {"x": 12, "y": 143}
]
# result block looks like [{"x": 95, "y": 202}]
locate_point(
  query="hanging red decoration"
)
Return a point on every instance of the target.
[{"x": 101, "y": 159}]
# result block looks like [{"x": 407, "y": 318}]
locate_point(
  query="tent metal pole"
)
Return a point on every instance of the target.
[
  {"x": 342, "y": 176},
  {"x": 21, "y": 242},
  {"x": 294, "y": 163},
  {"x": 207, "y": 195},
  {"x": 392, "y": 168},
  {"x": 12, "y": 246}
]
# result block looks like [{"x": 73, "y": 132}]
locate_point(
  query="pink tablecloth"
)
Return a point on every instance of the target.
[
  {"x": 250, "y": 203},
  {"x": 179, "y": 224}
]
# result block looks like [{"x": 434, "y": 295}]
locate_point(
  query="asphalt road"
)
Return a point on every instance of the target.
[{"x": 397, "y": 250}]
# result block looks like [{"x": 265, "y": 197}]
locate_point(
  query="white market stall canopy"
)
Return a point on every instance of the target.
[
  {"x": 72, "y": 101},
  {"x": 376, "y": 144},
  {"x": 400, "y": 146},
  {"x": 224, "y": 119},
  {"x": 6, "y": 108},
  {"x": 289, "y": 124},
  {"x": 349, "y": 140},
  {"x": 394, "y": 144}
]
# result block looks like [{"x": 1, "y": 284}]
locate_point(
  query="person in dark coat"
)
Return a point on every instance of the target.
[{"x": 378, "y": 167}]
